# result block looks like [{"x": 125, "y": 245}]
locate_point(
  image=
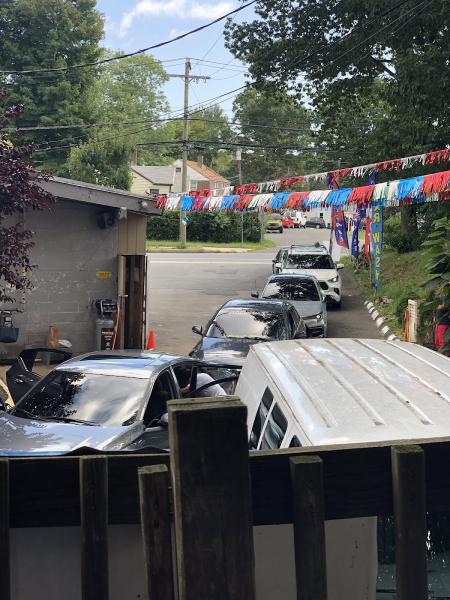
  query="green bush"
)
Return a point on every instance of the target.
[
  {"x": 402, "y": 302},
  {"x": 220, "y": 227},
  {"x": 396, "y": 239}
]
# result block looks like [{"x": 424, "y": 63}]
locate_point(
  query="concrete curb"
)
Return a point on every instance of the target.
[
  {"x": 199, "y": 250},
  {"x": 379, "y": 321}
]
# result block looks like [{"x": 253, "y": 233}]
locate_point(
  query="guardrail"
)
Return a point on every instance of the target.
[{"x": 212, "y": 492}]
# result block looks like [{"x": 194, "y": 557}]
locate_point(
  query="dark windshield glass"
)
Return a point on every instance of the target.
[
  {"x": 101, "y": 399},
  {"x": 248, "y": 323},
  {"x": 291, "y": 290},
  {"x": 309, "y": 261}
]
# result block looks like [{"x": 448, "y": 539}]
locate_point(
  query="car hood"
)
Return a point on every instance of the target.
[
  {"x": 320, "y": 274},
  {"x": 307, "y": 308},
  {"x": 224, "y": 350},
  {"x": 24, "y": 437}
]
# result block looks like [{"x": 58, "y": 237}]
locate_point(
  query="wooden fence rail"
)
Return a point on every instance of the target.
[{"x": 209, "y": 492}]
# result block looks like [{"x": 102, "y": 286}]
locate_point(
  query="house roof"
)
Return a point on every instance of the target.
[
  {"x": 79, "y": 191},
  {"x": 208, "y": 173},
  {"x": 158, "y": 174}
]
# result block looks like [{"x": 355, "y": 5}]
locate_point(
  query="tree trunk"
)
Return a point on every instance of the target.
[{"x": 408, "y": 221}]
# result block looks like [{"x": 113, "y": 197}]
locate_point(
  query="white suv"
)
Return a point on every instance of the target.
[{"x": 314, "y": 260}]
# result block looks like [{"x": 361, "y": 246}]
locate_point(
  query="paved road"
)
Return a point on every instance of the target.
[{"x": 185, "y": 289}]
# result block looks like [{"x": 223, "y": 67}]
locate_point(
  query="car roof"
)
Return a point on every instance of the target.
[
  {"x": 308, "y": 250},
  {"x": 360, "y": 390},
  {"x": 125, "y": 363},
  {"x": 274, "y": 305}
]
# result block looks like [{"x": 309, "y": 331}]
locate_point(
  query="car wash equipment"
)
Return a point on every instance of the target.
[{"x": 104, "y": 323}]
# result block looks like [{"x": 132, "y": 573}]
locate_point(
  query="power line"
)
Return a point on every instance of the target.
[{"x": 128, "y": 55}]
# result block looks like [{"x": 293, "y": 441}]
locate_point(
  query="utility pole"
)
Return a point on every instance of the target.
[
  {"x": 239, "y": 167},
  {"x": 184, "y": 184}
]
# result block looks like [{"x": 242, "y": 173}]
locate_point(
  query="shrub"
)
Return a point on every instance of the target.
[
  {"x": 396, "y": 239},
  {"x": 220, "y": 227}
]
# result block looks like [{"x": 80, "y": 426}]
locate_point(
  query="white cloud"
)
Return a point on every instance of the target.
[
  {"x": 155, "y": 8},
  {"x": 180, "y": 9},
  {"x": 210, "y": 11}
]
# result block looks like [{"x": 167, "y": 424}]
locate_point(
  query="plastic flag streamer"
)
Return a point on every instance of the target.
[
  {"x": 361, "y": 213},
  {"x": 339, "y": 227},
  {"x": 414, "y": 190},
  {"x": 377, "y": 242}
]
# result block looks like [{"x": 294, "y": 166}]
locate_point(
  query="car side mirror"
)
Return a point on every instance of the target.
[
  {"x": 278, "y": 265},
  {"x": 198, "y": 330},
  {"x": 254, "y": 294},
  {"x": 340, "y": 266}
]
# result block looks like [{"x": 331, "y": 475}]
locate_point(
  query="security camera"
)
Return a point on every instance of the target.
[{"x": 122, "y": 213}]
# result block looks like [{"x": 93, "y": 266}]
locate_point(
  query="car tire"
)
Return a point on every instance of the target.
[
  {"x": 338, "y": 304},
  {"x": 281, "y": 230}
]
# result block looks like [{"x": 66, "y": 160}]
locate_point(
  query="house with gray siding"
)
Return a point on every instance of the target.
[{"x": 89, "y": 245}]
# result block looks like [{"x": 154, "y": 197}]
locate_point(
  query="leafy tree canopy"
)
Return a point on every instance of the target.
[
  {"x": 273, "y": 118},
  {"x": 19, "y": 190},
  {"x": 46, "y": 34},
  {"x": 332, "y": 52}
]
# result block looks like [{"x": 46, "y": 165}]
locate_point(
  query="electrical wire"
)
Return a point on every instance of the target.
[{"x": 136, "y": 52}]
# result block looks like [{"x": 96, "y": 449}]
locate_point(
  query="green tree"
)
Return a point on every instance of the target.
[
  {"x": 37, "y": 34},
  {"x": 131, "y": 101},
  {"x": 372, "y": 72},
  {"x": 102, "y": 163},
  {"x": 206, "y": 125},
  {"x": 272, "y": 118}
]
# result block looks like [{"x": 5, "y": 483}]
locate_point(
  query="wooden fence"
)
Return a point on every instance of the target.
[{"x": 211, "y": 492}]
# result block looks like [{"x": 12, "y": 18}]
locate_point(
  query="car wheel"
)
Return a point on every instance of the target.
[
  {"x": 338, "y": 304},
  {"x": 281, "y": 230}
]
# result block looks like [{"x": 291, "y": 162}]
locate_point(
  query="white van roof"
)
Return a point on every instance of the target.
[{"x": 360, "y": 390}]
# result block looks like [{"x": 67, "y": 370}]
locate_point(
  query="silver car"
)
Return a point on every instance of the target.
[
  {"x": 305, "y": 293},
  {"x": 106, "y": 401}
]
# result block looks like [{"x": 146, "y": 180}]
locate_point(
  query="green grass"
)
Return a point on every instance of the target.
[
  {"x": 401, "y": 277},
  {"x": 213, "y": 245}
]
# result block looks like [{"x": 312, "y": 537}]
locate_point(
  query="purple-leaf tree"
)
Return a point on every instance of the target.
[{"x": 19, "y": 191}]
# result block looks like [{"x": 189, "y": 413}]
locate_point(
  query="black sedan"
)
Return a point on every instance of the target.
[{"x": 240, "y": 323}]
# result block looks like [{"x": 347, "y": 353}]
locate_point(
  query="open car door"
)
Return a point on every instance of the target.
[{"x": 20, "y": 377}]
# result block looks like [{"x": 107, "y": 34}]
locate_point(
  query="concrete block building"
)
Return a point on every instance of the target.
[{"x": 89, "y": 245}]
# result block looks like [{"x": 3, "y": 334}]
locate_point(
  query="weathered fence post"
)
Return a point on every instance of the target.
[
  {"x": 408, "y": 488},
  {"x": 5, "y": 560},
  {"x": 94, "y": 527},
  {"x": 309, "y": 527},
  {"x": 212, "y": 503},
  {"x": 156, "y": 531}
]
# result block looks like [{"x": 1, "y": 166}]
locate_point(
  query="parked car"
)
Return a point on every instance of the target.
[
  {"x": 274, "y": 223},
  {"x": 21, "y": 376},
  {"x": 287, "y": 222},
  {"x": 104, "y": 400},
  {"x": 336, "y": 392},
  {"x": 316, "y": 261},
  {"x": 303, "y": 292},
  {"x": 298, "y": 217},
  {"x": 316, "y": 223},
  {"x": 278, "y": 258},
  {"x": 238, "y": 324}
]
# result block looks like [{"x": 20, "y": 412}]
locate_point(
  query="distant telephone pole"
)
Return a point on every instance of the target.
[{"x": 184, "y": 178}]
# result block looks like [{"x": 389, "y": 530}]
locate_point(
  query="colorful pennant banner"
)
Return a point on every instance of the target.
[{"x": 415, "y": 190}]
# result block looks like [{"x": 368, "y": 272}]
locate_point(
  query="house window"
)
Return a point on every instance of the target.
[
  {"x": 194, "y": 185},
  {"x": 154, "y": 191},
  {"x": 177, "y": 169}
]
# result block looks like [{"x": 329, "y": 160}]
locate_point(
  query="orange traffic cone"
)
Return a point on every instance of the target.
[{"x": 151, "y": 340}]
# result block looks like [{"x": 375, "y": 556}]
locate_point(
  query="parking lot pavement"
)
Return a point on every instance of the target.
[{"x": 185, "y": 290}]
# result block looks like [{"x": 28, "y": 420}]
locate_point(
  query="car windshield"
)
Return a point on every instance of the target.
[
  {"x": 309, "y": 261},
  {"x": 291, "y": 289},
  {"x": 248, "y": 323},
  {"x": 99, "y": 399},
  {"x": 275, "y": 217}
]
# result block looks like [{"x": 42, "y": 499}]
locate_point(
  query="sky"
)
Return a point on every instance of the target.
[{"x": 134, "y": 24}]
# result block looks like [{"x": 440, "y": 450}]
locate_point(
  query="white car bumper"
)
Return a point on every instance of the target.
[{"x": 332, "y": 290}]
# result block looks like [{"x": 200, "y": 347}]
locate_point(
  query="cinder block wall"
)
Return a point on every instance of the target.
[{"x": 70, "y": 249}]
